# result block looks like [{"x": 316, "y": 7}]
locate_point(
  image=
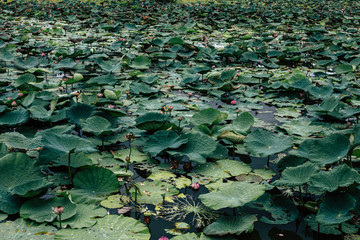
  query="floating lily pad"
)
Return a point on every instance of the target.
[
  {"x": 162, "y": 140},
  {"x": 231, "y": 225},
  {"x": 297, "y": 176},
  {"x": 27, "y": 230},
  {"x": 115, "y": 201},
  {"x": 153, "y": 192}
]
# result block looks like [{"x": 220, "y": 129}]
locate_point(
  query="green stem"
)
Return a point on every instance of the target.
[
  {"x": 268, "y": 161},
  {"x": 60, "y": 220},
  {"x": 69, "y": 169},
  {"x": 301, "y": 201},
  {"x": 233, "y": 151},
  {"x": 102, "y": 142}
]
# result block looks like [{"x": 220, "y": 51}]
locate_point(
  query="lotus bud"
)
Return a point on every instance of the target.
[
  {"x": 58, "y": 210},
  {"x": 195, "y": 186},
  {"x": 170, "y": 108},
  {"x": 129, "y": 136},
  {"x": 14, "y": 104},
  {"x": 43, "y": 54},
  {"x": 127, "y": 158},
  {"x": 180, "y": 118},
  {"x": 233, "y": 102},
  {"x": 38, "y": 148},
  {"x": 163, "y": 238},
  {"x": 111, "y": 106},
  {"x": 147, "y": 218},
  {"x": 61, "y": 88},
  {"x": 20, "y": 94},
  {"x": 100, "y": 95}
]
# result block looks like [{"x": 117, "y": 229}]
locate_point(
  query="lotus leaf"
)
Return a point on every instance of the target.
[
  {"x": 153, "y": 121},
  {"x": 111, "y": 227},
  {"x": 115, "y": 201},
  {"x": 329, "y": 229},
  {"x": 333, "y": 149},
  {"x": 97, "y": 125},
  {"x": 151, "y": 192},
  {"x": 42, "y": 210},
  {"x": 340, "y": 176},
  {"x": 234, "y": 195},
  {"x": 15, "y": 117},
  {"x": 27, "y": 63},
  {"x": 141, "y": 62},
  {"x": 343, "y": 68},
  {"x": 94, "y": 184},
  {"x": 9, "y": 203},
  {"x": 21, "y": 175},
  {"x": 85, "y": 216},
  {"x": 79, "y": 112},
  {"x": 335, "y": 209},
  {"x": 17, "y": 140},
  {"x": 222, "y": 169},
  {"x": 27, "y": 230},
  {"x": 208, "y": 117},
  {"x": 264, "y": 143},
  {"x": 297, "y": 176},
  {"x": 136, "y": 155},
  {"x": 231, "y": 225},
  {"x": 162, "y": 140}
]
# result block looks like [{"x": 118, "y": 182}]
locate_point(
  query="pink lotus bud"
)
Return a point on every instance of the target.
[
  {"x": 100, "y": 95},
  {"x": 111, "y": 106},
  {"x": 43, "y": 54},
  {"x": 213, "y": 66},
  {"x": 233, "y": 102},
  {"x": 20, "y": 94},
  {"x": 14, "y": 104},
  {"x": 163, "y": 238},
  {"x": 195, "y": 186},
  {"x": 238, "y": 74},
  {"x": 38, "y": 148},
  {"x": 180, "y": 118},
  {"x": 61, "y": 88}
]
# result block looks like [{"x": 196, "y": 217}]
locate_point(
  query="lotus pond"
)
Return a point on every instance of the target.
[{"x": 151, "y": 120}]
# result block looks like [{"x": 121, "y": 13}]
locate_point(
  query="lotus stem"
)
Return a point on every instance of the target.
[
  {"x": 69, "y": 168},
  {"x": 268, "y": 161},
  {"x": 233, "y": 151},
  {"x": 60, "y": 220},
  {"x": 102, "y": 143},
  {"x": 301, "y": 201}
]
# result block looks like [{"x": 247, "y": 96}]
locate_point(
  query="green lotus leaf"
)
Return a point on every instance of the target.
[
  {"x": 205, "y": 237},
  {"x": 102, "y": 80},
  {"x": 333, "y": 149},
  {"x": 111, "y": 227},
  {"x": 10, "y": 203},
  {"x": 297, "y": 176},
  {"x": 162, "y": 140},
  {"x": 109, "y": 66},
  {"x": 79, "y": 159},
  {"x": 186, "y": 236},
  {"x": 40, "y": 113},
  {"x": 15, "y": 117},
  {"x": 97, "y": 125},
  {"x": 110, "y": 94},
  {"x": 236, "y": 194},
  {"x": 208, "y": 117},
  {"x": 3, "y": 216},
  {"x": 199, "y": 147},
  {"x": 340, "y": 176},
  {"x": 352, "y": 237},
  {"x": 66, "y": 63},
  {"x": 57, "y": 145},
  {"x": 175, "y": 41},
  {"x": 232, "y": 136},
  {"x": 85, "y": 216},
  {"x": 19, "y": 141},
  {"x": 135, "y": 157},
  {"x": 142, "y": 88},
  {"x": 161, "y": 175},
  {"x": 115, "y": 201},
  {"x": 182, "y": 182},
  {"x": 42, "y": 210},
  {"x": 335, "y": 209},
  {"x": 222, "y": 169},
  {"x": 25, "y": 78},
  {"x": 326, "y": 106},
  {"x": 79, "y": 112},
  {"x": 27, "y": 230},
  {"x": 153, "y": 192},
  {"x": 24, "y": 64},
  {"x": 231, "y": 225},
  {"x": 303, "y": 127},
  {"x": 21, "y": 175},
  {"x": 141, "y": 62},
  {"x": 343, "y": 68},
  {"x": 264, "y": 143},
  {"x": 94, "y": 184},
  {"x": 153, "y": 121},
  {"x": 321, "y": 92},
  {"x": 76, "y": 78},
  {"x": 282, "y": 209},
  {"x": 243, "y": 123},
  {"x": 330, "y": 229}
]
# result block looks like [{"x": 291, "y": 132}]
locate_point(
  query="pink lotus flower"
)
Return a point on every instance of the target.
[
  {"x": 43, "y": 54},
  {"x": 111, "y": 106},
  {"x": 233, "y": 102},
  {"x": 14, "y": 104},
  {"x": 163, "y": 238},
  {"x": 195, "y": 186}
]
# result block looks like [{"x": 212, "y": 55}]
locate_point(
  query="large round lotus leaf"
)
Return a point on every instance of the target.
[
  {"x": 264, "y": 143},
  {"x": 297, "y": 176},
  {"x": 142, "y": 88},
  {"x": 343, "y": 68},
  {"x": 162, "y": 140},
  {"x": 110, "y": 94},
  {"x": 27, "y": 63},
  {"x": 153, "y": 121},
  {"x": 233, "y": 195},
  {"x": 109, "y": 66},
  {"x": 17, "y": 140},
  {"x": 231, "y": 225},
  {"x": 243, "y": 123},
  {"x": 199, "y": 147},
  {"x": 96, "y": 125},
  {"x": 335, "y": 208},
  {"x": 222, "y": 169},
  {"x": 20, "y": 175},
  {"x": 175, "y": 41},
  {"x": 303, "y": 127},
  {"x": 57, "y": 145},
  {"x": 324, "y": 151},
  {"x": 135, "y": 157},
  {"x": 141, "y": 62},
  {"x": 232, "y": 136},
  {"x": 330, "y": 229},
  {"x": 115, "y": 201},
  {"x": 102, "y": 80},
  {"x": 182, "y": 182},
  {"x": 340, "y": 176},
  {"x": 162, "y": 175},
  {"x": 26, "y": 230},
  {"x": 290, "y": 161},
  {"x": 79, "y": 112},
  {"x": 25, "y": 78},
  {"x": 42, "y": 210},
  {"x": 94, "y": 184},
  {"x": 85, "y": 216},
  {"x": 186, "y": 236},
  {"x": 66, "y": 63},
  {"x": 14, "y": 117},
  {"x": 9, "y": 203},
  {"x": 3, "y": 216},
  {"x": 208, "y": 117},
  {"x": 282, "y": 209},
  {"x": 111, "y": 227},
  {"x": 77, "y": 160},
  {"x": 153, "y": 192}
]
